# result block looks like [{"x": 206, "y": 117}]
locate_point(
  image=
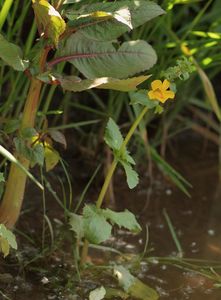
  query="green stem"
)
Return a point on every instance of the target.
[
  {"x": 4, "y": 12},
  {"x": 110, "y": 174},
  {"x": 115, "y": 161},
  {"x": 15, "y": 186}
]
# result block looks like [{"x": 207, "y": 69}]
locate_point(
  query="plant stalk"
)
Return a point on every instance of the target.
[
  {"x": 110, "y": 174},
  {"x": 15, "y": 187}
]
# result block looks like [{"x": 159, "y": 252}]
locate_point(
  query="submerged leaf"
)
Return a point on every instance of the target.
[
  {"x": 11, "y": 54},
  {"x": 133, "y": 286},
  {"x": 49, "y": 20},
  {"x": 97, "y": 294}
]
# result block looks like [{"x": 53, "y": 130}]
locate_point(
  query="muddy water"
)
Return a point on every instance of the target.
[{"x": 196, "y": 220}]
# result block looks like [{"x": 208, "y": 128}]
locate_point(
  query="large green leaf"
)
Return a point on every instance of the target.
[
  {"x": 101, "y": 59},
  {"x": 108, "y": 29},
  {"x": 11, "y": 54},
  {"x": 49, "y": 20},
  {"x": 96, "y": 228}
]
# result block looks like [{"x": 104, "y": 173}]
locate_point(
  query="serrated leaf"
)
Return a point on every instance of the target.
[
  {"x": 76, "y": 84},
  {"x": 97, "y": 294},
  {"x": 136, "y": 13},
  {"x": 123, "y": 219},
  {"x": 58, "y": 137},
  {"x": 7, "y": 240},
  {"x": 96, "y": 228},
  {"x": 141, "y": 97},
  {"x": 52, "y": 157},
  {"x": 101, "y": 59},
  {"x": 76, "y": 223},
  {"x": 11, "y": 54},
  {"x": 131, "y": 174},
  {"x": 49, "y": 20},
  {"x": 113, "y": 136}
]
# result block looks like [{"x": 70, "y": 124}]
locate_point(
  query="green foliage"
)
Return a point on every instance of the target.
[
  {"x": 101, "y": 59},
  {"x": 132, "y": 14},
  {"x": 114, "y": 140},
  {"x": 123, "y": 219},
  {"x": 96, "y": 224},
  {"x": 182, "y": 70},
  {"x": 96, "y": 228},
  {"x": 11, "y": 54},
  {"x": 141, "y": 97},
  {"x": 7, "y": 240},
  {"x": 76, "y": 84},
  {"x": 49, "y": 21}
]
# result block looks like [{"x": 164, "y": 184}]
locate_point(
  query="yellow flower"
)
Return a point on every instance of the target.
[{"x": 160, "y": 91}]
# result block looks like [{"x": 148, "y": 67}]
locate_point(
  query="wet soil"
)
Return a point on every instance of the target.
[{"x": 196, "y": 220}]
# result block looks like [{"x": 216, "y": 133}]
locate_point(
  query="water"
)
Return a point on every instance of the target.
[{"x": 196, "y": 220}]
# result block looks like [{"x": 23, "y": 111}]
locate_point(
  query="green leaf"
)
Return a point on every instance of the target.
[
  {"x": 49, "y": 20},
  {"x": 12, "y": 159},
  {"x": 7, "y": 240},
  {"x": 132, "y": 176},
  {"x": 132, "y": 14},
  {"x": 38, "y": 154},
  {"x": 11, "y": 126},
  {"x": 11, "y": 54},
  {"x": 2, "y": 177},
  {"x": 52, "y": 157},
  {"x": 97, "y": 294},
  {"x": 101, "y": 59},
  {"x": 96, "y": 228},
  {"x": 28, "y": 133},
  {"x": 113, "y": 136},
  {"x": 58, "y": 137},
  {"x": 141, "y": 97},
  {"x": 76, "y": 84},
  {"x": 123, "y": 219},
  {"x": 76, "y": 223},
  {"x": 134, "y": 286}
]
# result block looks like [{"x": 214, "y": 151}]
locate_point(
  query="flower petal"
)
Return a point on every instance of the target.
[
  {"x": 166, "y": 84},
  {"x": 169, "y": 95},
  {"x": 156, "y": 84},
  {"x": 151, "y": 95}
]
